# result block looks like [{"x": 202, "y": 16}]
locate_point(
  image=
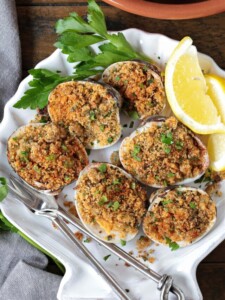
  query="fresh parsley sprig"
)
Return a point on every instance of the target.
[{"x": 75, "y": 38}]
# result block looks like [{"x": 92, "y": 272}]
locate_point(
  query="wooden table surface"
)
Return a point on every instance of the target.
[{"x": 36, "y": 24}]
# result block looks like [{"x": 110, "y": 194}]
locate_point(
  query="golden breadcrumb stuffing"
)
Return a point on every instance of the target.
[
  {"x": 46, "y": 156},
  {"x": 180, "y": 215},
  {"x": 105, "y": 196},
  {"x": 163, "y": 154},
  {"x": 140, "y": 85},
  {"x": 88, "y": 109}
]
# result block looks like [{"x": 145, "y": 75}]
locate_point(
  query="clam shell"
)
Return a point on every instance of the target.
[
  {"x": 157, "y": 197},
  {"x": 40, "y": 186},
  {"x": 96, "y": 229},
  {"x": 154, "y": 72},
  {"x": 159, "y": 120},
  {"x": 54, "y": 114}
]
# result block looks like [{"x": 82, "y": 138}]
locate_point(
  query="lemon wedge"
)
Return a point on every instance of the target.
[
  {"x": 216, "y": 150},
  {"x": 186, "y": 91},
  {"x": 216, "y": 91}
]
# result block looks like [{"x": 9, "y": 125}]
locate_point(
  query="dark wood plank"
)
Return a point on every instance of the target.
[
  {"x": 211, "y": 279},
  {"x": 36, "y": 25},
  {"x": 216, "y": 256},
  {"x": 50, "y": 2}
]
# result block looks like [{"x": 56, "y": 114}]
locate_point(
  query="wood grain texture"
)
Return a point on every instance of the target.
[{"x": 36, "y": 24}]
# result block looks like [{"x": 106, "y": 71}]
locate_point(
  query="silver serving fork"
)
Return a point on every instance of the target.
[{"x": 46, "y": 205}]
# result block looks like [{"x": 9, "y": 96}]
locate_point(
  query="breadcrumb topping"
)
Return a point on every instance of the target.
[
  {"x": 179, "y": 215},
  {"x": 140, "y": 85},
  {"x": 46, "y": 156},
  {"x": 164, "y": 154},
  {"x": 88, "y": 109},
  {"x": 105, "y": 196}
]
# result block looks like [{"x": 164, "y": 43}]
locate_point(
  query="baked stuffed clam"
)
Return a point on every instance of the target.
[
  {"x": 89, "y": 110},
  {"x": 164, "y": 152},
  {"x": 110, "y": 203},
  {"x": 179, "y": 216},
  {"x": 45, "y": 156},
  {"x": 141, "y": 86}
]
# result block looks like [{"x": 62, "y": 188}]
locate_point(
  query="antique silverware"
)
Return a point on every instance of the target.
[{"x": 46, "y": 206}]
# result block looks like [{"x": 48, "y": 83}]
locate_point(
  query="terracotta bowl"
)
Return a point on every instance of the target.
[{"x": 170, "y": 10}]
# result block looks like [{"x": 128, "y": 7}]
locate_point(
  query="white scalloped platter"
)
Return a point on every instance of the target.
[{"x": 80, "y": 280}]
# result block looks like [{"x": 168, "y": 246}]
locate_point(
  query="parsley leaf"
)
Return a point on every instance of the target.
[
  {"x": 102, "y": 168},
  {"x": 75, "y": 38},
  {"x": 173, "y": 245},
  {"x": 192, "y": 205},
  {"x": 106, "y": 257},
  {"x": 167, "y": 138},
  {"x": 134, "y": 153},
  {"x": 116, "y": 205},
  {"x": 44, "y": 81},
  {"x": 123, "y": 243},
  {"x": 3, "y": 188}
]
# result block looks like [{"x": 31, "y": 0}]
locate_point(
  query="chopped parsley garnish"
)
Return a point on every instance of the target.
[
  {"x": 133, "y": 185},
  {"x": 131, "y": 124},
  {"x": 64, "y": 147},
  {"x": 167, "y": 149},
  {"x": 167, "y": 138},
  {"x": 192, "y": 205},
  {"x": 103, "y": 200},
  {"x": 173, "y": 245},
  {"x": 15, "y": 138},
  {"x": 24, "y": 155},
  {"x": 179, "y": 192},
  {"x": 106, "y": 257},
  {"x": 149, "y": 81},
  {"x": 116, "y": 205},
  {"x": 165, "y": 202},
  {"x": 88, "y": 151},
  {"x": 116, "y": 181},
  {"x": 179, "y": 145},
  {"x": 67, "y": 178},
  {"x": 123, "y": 243},
  {"x": 36, "y": 169},
  {"x": 43, "y": 119},
  {"x": 204, "y": 178},
  {"x": 134, "y": 153},
  {"x": 110, "y": 204},
  {"x": 92, "y": 115},
  {"x": 133, "y": 115},
  {"x": 102, "y": 168},
  {"x": 110, "y": 140},
  {"x": 3, "y": 188},
  {"x": 170, "y": 174},
  {"x": 102, "y": 127},
  {"x": 145, "y": 68},
  {"x": 141, "y": 85},
  {"x": 87, "y": 240},
  {"x": 117, "y": 78},
  {"x": 51, "y": 157}
]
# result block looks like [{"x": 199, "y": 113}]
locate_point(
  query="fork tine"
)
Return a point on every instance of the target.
[
  {"x": 23, "y": 189},
  {"x": 19, "y": 197}
]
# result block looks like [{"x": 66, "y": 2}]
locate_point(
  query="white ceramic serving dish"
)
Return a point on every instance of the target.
[{"x": 80, "y": 280}]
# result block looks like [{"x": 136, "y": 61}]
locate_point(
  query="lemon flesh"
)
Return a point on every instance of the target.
[
  {"x": 216, "y": 150},
  {"x": 216, "y": 91},
  {"x": 186, "y": 91}
]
